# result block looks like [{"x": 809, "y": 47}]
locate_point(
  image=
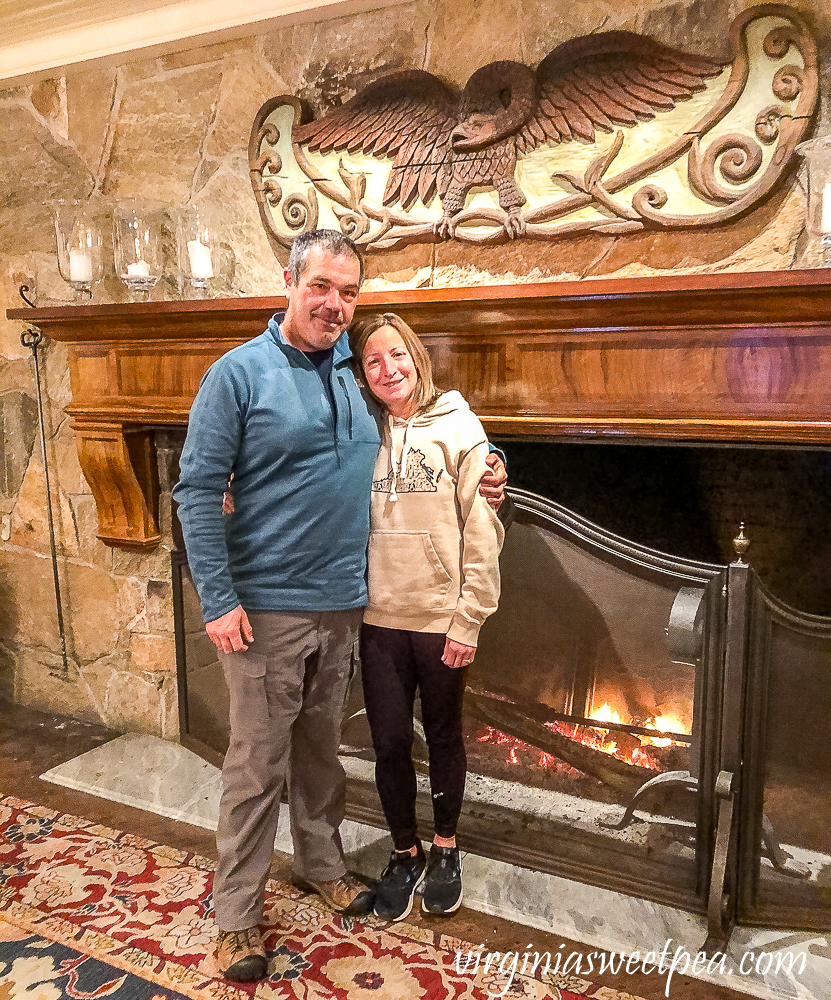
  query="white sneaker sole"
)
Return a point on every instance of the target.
[{"x": 443, "y": 913}]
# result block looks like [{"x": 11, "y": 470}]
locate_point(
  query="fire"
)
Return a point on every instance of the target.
[
  {"x": 633, "y": 748},
  {"x": 605, "y": 714},
  {"x": 663, "y": 724}
]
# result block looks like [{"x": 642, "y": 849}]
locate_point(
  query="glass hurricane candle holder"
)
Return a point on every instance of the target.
[
  {"x": 79, "y": 245},
  {"x": 817, "y": 182},
  {"x": 137, "y": 246},
  {"x": 199, "y": 246}
]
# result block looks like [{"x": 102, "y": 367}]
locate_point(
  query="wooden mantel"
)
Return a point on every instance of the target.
[{"x": 728, "y": 357}]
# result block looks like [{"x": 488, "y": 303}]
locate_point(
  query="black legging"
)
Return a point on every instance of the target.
[{"x": 393, "y": 663}]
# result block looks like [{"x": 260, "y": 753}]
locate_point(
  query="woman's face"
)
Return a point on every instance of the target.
[{"x": 390, "y": 371}]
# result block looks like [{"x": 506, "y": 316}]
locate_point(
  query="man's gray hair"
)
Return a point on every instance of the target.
[{"x": 327, "y": 239}]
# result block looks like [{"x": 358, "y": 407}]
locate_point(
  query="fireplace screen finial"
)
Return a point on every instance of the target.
[{"x": 741, "y": 543}]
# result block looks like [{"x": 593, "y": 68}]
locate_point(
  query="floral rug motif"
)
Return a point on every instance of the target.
[
  {"x": 33, "y": 968},
  {"x": 87, "y": 912}
]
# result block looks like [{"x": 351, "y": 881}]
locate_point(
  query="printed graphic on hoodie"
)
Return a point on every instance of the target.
[{"x": 419, "y": 477}]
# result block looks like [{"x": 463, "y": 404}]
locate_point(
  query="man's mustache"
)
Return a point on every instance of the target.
[{"x": 328, "y": 316}]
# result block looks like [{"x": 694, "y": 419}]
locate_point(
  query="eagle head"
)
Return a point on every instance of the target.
[{"x": 497, "y": 101}]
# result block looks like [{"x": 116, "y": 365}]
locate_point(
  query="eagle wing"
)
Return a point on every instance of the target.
[
  {"x": 406, "y": 116},
  {"x": 608, "y": 80}
]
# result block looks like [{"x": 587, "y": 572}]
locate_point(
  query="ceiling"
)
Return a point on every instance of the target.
[{"x": 40, "y": 38}]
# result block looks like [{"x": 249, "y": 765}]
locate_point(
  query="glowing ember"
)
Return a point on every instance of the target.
[{"x": 497, "y": 738}]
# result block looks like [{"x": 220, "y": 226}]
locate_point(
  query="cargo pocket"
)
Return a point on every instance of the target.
[
  {"x": 406, "y": 573},
  {"x": 245, "y": 678}
]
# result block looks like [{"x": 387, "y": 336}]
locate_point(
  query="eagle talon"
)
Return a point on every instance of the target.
[
  {"x": 514, "y": 224},
  {"x": 445, "y": 228}
]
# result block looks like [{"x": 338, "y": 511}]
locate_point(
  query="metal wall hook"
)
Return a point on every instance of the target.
[
  {"x": 32, "y": 339},
  {"x": 22, "y": 293}
]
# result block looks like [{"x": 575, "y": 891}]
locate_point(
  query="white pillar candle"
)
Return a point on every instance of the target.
[
  {"x": 141, "y": 269},
  {"x": 200, "y": 260},
  {"x": 825, "y": 219},
  {"x": 80, "y": 265}
]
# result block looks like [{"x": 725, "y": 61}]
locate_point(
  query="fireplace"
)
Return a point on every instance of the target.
[
  {"x": 609, "y": 691},
  {"x": 632, "y": 714}
]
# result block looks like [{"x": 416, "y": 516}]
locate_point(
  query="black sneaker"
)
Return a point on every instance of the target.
[
  {"x": 442, "y": 892},
  {"x": 399, "y": 881}
]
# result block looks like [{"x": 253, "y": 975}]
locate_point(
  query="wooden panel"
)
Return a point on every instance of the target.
[
  {"x": 477, "y": 370},
  {"x": 155, "y": 370},
  {"x": 154, "y": 381},
  {"x": 728, "y": 376}
]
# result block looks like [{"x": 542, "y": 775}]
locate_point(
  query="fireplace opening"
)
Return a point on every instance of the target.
[
  {"x": 585, "y": 710},
  {"x": 689, "y": 499}
]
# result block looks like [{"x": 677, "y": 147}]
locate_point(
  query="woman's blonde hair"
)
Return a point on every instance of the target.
[{"x": 425, "y": 392}]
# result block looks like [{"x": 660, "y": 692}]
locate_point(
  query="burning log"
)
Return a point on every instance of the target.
[{"x": 528, "y": 723}]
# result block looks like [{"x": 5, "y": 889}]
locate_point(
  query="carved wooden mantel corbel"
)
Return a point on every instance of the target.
[
  {"x": 119, "y": 464},
  {"x": 710, "y": 358}
]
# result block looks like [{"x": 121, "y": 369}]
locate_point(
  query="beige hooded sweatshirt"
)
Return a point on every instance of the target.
[{"x": 434, "y": 540}]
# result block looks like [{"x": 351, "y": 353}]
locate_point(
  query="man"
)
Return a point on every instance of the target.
[{"x": 282, "y": 581}]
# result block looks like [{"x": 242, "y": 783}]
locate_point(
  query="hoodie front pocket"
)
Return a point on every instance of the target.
[{"x": 406, "y": 573}]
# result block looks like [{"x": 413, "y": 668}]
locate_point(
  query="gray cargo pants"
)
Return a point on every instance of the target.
[{"x": 288, "y": 692}]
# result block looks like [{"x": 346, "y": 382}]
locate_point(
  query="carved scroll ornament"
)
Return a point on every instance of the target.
[{"x": 613, "y": 133}]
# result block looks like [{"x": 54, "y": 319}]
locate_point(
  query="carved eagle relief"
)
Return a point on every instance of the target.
[
  {"x": 441, "y": 145},
  {"x": 449, "y": 142}
]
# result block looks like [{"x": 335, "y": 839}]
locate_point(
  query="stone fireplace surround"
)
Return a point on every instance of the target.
[{"x": 727, "y": 360}]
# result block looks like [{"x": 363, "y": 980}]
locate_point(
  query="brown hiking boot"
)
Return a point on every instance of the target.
[
  {"x": 345, "y": 895},
  {"x": 241, "y": 955}
]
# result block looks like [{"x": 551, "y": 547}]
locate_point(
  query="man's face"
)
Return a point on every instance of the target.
[{"x": 322, "y": 301}]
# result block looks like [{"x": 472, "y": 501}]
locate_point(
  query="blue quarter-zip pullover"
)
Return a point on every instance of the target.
[{"x": 302, "y": 466}]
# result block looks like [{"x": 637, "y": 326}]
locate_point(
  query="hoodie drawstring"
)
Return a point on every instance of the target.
[{"x": 399, "y": 468}]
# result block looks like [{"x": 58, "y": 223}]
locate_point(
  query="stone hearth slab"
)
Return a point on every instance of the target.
[{"x": 172, "y": 781}]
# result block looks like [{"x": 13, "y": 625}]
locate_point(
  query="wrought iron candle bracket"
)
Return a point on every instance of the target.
[{"x": 32, "y": 339}]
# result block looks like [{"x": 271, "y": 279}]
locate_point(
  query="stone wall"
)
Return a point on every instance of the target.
[{"x": 176, "y": 128}]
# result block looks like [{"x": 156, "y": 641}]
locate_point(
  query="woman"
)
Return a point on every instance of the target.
[{"x": 433, "y": 579}]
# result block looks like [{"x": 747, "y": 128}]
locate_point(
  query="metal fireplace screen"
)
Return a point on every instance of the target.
[
  {"x": 785, "y": 831},
  {"x": 594, "y": 722}
]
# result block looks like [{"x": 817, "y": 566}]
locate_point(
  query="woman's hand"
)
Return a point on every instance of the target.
[
  {"x": 492, "y": 483},
  {"x": 227, "y": 498},
  {"x": 457, "y": 654}
]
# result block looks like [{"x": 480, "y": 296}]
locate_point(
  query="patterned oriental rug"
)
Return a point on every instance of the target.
[{"x": 88, "y": 912}]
